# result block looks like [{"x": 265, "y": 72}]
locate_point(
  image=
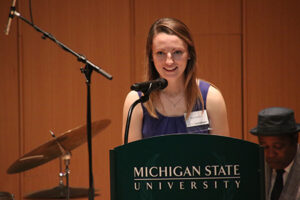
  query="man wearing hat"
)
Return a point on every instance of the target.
[{"x": 277, "y": 132}]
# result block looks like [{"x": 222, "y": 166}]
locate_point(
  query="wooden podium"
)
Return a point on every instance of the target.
[{"x": 187, "y": 167}]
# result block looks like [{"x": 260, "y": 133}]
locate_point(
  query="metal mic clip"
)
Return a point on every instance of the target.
[{"x": 12, "y": 12}]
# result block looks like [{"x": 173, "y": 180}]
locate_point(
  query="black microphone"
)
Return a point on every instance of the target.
[
  {"x": 148, "y": 86},
  {"x": 11, "y": 15}
]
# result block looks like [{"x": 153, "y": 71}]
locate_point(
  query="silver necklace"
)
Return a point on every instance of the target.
[{"x": 174, "y": 104}]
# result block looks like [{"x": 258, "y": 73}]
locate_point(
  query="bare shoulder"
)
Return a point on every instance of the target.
[
  {"x": 131, "y": 97},
  {"x": 214, "y": 95},
  {"x": 136, "y": 119},
  {"x": 215, "y": 103},
  {"x": 216, "y": 109}
]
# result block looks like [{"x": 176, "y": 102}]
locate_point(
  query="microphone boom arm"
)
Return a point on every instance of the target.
[{"x": 80, "y": 57}]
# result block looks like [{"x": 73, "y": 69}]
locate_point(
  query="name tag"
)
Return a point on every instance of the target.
[{"x": 197, "y": 118}]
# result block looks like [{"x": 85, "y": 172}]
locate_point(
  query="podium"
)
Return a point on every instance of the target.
[{"x": 187, "y": 167}]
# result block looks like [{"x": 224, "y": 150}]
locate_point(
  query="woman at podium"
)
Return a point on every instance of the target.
[{"x": 187, "y": 104}]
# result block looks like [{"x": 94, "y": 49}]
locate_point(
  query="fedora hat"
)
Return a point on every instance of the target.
[{"x": 275, "y": 121}]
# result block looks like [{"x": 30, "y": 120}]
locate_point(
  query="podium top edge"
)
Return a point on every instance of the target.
[{"x": 194, "y": 136}]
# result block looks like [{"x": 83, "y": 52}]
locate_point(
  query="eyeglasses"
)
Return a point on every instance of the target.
[{"x": 162, "y": 56}]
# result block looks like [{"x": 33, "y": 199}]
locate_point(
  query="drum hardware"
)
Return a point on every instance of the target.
[
  {"x": 6, "y": 196},
  {"x": 66, "y": 157},
  {"x": 51, "y": 150},
  {"x": 58, "y": 147},
  {"x": 61, "y": 191}
]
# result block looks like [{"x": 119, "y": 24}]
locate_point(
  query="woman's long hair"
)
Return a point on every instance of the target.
[{"x": 173, "y": 27}]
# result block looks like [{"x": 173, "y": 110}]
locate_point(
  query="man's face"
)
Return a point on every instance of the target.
[{"x": 279, "y": 150}]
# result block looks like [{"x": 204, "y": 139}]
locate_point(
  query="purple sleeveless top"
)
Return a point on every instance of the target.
[{"x": 171, "y": 125}]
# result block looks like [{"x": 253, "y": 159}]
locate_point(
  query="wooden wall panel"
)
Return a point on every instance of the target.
[
  {"x": 239, "y": 43},
  {"x": 220, "y": 63},
  {"x": 9, "y": 103},
  {"x": 216, "y": 28},
  {"x": 53, "y": 90},
  {"x": 271, "y": 58}
]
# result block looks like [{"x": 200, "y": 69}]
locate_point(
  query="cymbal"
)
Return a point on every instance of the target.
[
  {"x": 50, "y": 150},
  {"x": 6, "y": 196},
  {"x": 59, "y": 192}
]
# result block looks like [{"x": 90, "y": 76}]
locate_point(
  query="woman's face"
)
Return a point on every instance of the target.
[{"x": 170, "y": 56}]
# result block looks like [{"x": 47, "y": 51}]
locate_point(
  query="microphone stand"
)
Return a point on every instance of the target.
[
  {"x": 87, "y": 70},
  {"x": 142, "y": 99}
]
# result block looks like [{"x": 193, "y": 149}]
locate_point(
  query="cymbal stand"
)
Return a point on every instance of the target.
[
  {"x": 66, "y": 157},
  {"x": 61, "y": 174}
]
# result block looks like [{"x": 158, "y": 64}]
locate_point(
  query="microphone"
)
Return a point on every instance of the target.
[
  {"x": 10, "y": 16},
  {"x": 157, "y": 84}
]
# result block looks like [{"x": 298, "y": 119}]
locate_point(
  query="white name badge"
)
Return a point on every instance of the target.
[{"x": 196, "y": 118}]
